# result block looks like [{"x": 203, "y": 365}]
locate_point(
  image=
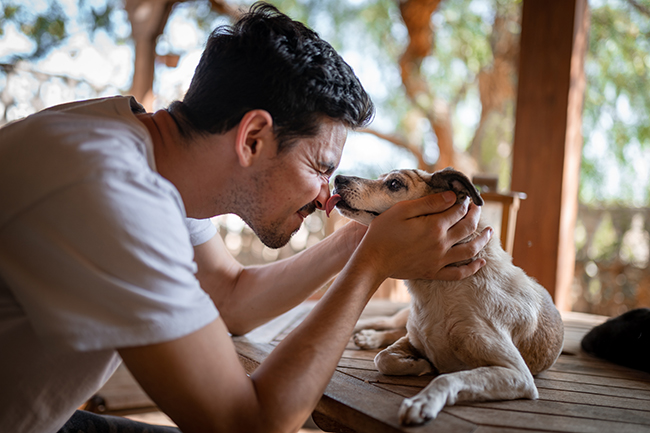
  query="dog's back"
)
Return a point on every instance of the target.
[{"x": 499, "y": 296}]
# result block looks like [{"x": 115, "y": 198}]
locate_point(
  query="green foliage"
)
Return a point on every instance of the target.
[
  {"x": 47, "y": 29},
  {"x": 370, "y": 34},
  {"x": 462, "y": 47},
  {"x": 617, "y": 103}
]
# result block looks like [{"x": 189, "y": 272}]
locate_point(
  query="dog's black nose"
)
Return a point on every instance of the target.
[{"x": 341, "y": 180}]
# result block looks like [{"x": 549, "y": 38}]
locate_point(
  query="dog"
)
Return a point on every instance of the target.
[{"x": 485, "y": 336}]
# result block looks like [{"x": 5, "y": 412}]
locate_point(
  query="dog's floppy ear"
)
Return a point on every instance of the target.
[{"x": 460, "y": 184}]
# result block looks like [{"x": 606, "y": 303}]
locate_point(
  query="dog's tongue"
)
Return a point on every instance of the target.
[{"x": 329, "y": 206}]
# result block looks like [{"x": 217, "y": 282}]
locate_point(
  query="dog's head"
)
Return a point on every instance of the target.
[{"x": 363, "y": 199}]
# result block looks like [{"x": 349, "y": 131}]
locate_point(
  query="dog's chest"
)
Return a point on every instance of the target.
[{"x": 435, "y": 308}]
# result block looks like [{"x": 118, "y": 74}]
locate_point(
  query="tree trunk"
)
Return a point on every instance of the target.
[
  {"x": 416, "y": 15},
  {"x": 497, "y": 82},
  {"x": 148, "y": 19}
]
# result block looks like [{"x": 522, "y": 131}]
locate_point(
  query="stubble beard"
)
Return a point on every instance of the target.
[{"x": 272, "y": 234}]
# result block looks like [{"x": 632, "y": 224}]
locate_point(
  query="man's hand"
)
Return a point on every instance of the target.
[{"x": 418, "y": 239}]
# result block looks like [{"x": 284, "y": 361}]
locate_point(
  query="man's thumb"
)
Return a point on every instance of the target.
[{"x": 434, "y": 203}]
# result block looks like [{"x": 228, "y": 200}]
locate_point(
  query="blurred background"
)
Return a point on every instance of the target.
[{"x": 443, "y": 75}]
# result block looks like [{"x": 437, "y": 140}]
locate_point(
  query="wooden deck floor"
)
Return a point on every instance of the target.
[{"x": 578, "y": 394}]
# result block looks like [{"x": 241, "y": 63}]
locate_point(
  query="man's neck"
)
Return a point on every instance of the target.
[{"x": 197, "y": 168}]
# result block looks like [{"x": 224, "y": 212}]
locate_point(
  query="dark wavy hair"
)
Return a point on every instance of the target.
[{"x": 268, "y": 61}]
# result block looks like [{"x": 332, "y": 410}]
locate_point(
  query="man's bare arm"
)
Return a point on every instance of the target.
[{"x": 248, "y": 297}]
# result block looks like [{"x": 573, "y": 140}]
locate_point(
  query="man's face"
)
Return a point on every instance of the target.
[{"x": 294, "y": 184}]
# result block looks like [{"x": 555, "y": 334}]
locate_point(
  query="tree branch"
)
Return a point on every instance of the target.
[
  {"x": 400, "y": 142},
  {"x": 639, "y": 7},
  {"x": 224, "y": 8}
]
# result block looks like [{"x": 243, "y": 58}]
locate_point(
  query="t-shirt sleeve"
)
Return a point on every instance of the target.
[
  {"x": 201, "y": 231},
  {"x": 106, "y": 263}
]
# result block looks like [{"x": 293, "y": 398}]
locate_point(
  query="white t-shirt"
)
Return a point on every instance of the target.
[{"x": 95, "y": 254}]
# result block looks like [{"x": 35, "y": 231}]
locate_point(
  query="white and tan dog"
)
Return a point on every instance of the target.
[{"x": 485, "y": 336}]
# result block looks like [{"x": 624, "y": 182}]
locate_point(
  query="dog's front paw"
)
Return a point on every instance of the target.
[
  {"x": 420, "y": 409},
  {"x": 368, "y": 339}
]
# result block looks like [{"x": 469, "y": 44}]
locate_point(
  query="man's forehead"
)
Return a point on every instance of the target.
[{"x": 331, "y": 141}]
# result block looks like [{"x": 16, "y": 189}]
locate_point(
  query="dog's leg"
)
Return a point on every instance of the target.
[
  {"x": 507, "y": 378},
  {"x": 371, "y": 339},
  {"x": 377, "y": 332},
  {"x": 401, "y": 358},
  {"x": 397, "y": 320}
]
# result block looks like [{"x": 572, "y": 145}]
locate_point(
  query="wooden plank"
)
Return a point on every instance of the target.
[
  {"x": 621, "y": 415},
  {"x": 603, "y": 390},
  {"x": 361, "y": 364},
  {"x": 343, "y": 402},
  {"x": 373, "y": 376},
  {"x": 540, "y": 422},
  {"x": 549, "y": 395},
  {"x": 368, "y": 355},
  {"x": 490, "y": 429},
  {"x": 547, "y": 142},
  {"x": 613, "y": 382},
  {"x": 251, "y": 355},
  {"x": 550, "y": 408},
  {"x": 597, "y": 367},
  {"x": 593, "y": 399}
]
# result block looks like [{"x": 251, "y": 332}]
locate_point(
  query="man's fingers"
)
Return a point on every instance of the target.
[
  {"x": 466, "y": 224},
  {"x": 452, "y": 273},
  {"x": 430, "y": 204},
  {"x": 461, "y": 252}
]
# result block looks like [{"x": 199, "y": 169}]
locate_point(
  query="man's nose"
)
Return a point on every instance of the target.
[{"x": 323, "y": 196}]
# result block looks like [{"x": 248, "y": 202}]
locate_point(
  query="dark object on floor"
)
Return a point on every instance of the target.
[{"x": 624, "y": 340}]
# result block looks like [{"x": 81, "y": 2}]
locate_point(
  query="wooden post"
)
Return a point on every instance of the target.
[{"x": 548, "y": 140}]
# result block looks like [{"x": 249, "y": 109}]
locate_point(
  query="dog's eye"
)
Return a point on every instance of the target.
[{"x": 394, "y": 184}]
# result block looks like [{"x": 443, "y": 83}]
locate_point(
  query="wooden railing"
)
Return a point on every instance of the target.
[{"x": 612, "y": 258}]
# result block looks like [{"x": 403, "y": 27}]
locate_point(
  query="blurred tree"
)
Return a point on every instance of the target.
[
  {"x": 617, "y": 105},
  {"x": 442, "y": 73},
  {"x": 148, "y": 19},
  {"x": 48, "y": 27},
  {"x": 447, "y": 56}
]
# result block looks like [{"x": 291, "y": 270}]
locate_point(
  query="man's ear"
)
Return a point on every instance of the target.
[{"x": 254, "y": 133}]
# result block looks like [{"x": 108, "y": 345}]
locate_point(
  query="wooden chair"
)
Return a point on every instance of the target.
[
  {"x": 500, "y": 209},
  {"x": 509, "y": 203}
]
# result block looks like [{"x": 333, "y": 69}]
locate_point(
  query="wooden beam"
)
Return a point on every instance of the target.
[{"x": 548, "y": 140}]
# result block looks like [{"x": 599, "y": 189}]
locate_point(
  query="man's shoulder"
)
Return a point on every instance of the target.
[
  {"x": 75, "y": 121},
  {"x": 104, "y": 106},
  {"x": 69, "y": 144}
]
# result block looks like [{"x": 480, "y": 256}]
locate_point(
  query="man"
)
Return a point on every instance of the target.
[{"x": 98, "y": 259}]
